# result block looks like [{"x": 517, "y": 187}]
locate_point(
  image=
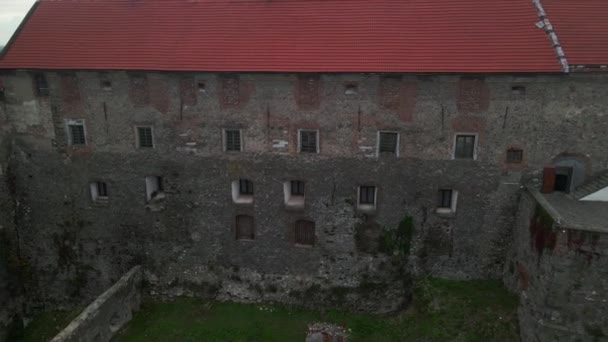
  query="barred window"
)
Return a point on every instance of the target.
[
  {"x": 42, "y": 87},
  {"x": 388, "y": 142},
  {"x": 244, "y": 227},
  {"x": 145, "y": 139},
  {"x": 308, "y": 141},
  {"x": 465, "y": 147},
  {"x": 76, "y": 133},
  {"x": 305, "y": 232},
  {"x": 297, "y": 188},
  {"x": 233, "y": 140},
  {"x": 367, "y": 195},
  {"x": 245, "y": 187},
  {"x": 445, "y": 198},
  {"x": 515, "y": 155}
]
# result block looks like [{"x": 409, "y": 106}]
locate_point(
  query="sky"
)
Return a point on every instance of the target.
[{"x": 11, "y": 14}]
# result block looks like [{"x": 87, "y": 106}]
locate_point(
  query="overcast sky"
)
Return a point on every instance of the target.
[{"x": 11, "y": 14}]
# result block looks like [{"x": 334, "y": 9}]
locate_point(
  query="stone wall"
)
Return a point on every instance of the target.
[
  {"x": 108, "y": 313},
  {"x": 560, "y": 275},
  {"x": 77, "y": 247}
]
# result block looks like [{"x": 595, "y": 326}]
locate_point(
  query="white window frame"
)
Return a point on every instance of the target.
[
  {"x": 224, "y": 140},
  {"x": 300, "y": 138},
  {"x": 239, "y": 198},
  {"x": 367, "y": 207},
  {"x": 293, "y": 201},
  {"x": 93, "y": 186},
  {"x": 137, "y": 142},
  {"x": 75, "y": 122},
  {"x": 453, "y": 203},
  {"x": 378, "y": 142},
  {"x": 474, "y": 145}
]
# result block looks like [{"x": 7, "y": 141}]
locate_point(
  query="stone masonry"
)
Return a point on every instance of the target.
[{"x": 77, "y": 247}]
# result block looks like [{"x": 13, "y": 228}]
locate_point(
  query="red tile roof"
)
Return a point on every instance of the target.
[
  {"x": 582, "y": 29},
  {"x": 442, "y": 36}
]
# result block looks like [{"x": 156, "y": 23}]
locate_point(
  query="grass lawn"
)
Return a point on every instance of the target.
[
  {"x": 443, "y": 311},
  {"x": 46, "y": 325}
]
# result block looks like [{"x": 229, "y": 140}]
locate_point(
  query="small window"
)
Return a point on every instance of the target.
[
  {"x": 145, "y": 138},
  {"x": 201, "y": 87},
  {"x": 232, "y": 138},
  {"x": 445, "y": 198},
  {"x": 106, "y": 85},
  {"x": 515, "y": 155},
  {"x": 518, "y": 90},
  {"x": 367, "y": 195},
  {"x": 244, "y": 227},
  {"x": 294, "y": 194},
  {"x": 308, "y": 141},
  {"x": 388, "y": 143},
  {"x": 305, "y": 233},
  {"x": 351, "y": 89},
  {"x": 99, "y": 191},
  {"x": 154, "y": 188},
  {"x": 297, "y": 188},
  {"x": 76, "y": 132},
  {"x": 242, "y": 191},
  {"x": 245, "y": 187},
  {"x": 563, "y": 178},
  {"x": 465, "y": 146},
  {"x": 446, "y": 203},
  {"x": 42, "y": 87}
]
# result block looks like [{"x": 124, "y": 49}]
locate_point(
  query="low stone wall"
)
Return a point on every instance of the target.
[{"x": 108, "y": 313}]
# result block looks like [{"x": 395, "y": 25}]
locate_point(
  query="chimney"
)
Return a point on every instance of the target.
[{"x": 548, "y": 179}]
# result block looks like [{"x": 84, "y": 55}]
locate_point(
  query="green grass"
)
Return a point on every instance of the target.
[
  {"x": 443, "y": 311},
  {"x": 46, "y": 325}
]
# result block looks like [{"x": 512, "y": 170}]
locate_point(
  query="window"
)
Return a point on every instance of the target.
[
  {"x": 518, "y": 90},
  {"x": 145, "y": 138},
  {"x": 106, "y": 85},
  {"x": 367, "y": 198},
  {"x": 154, "y": 188},
  {"x": 297, "y": 188},
  {"x": 446, "y": 203},
  {"x": 515, "y": 155},
  {"x": 244, "y": 227},
  {"x": 42, "y": 87},
  {"x": 388, "y": 142},
  {"x": 563, "y": 177},
  {"x": 232, "y": 140},
  {"x": 245, "y": 187},
  {"x": 201, "y": 87},
  {"x": 350, "y": 89},
  {"x": 308, "y": 141},
  {"x": 76, "y": 132},
  {"x": 99, "y": 191},
  {"x": 465, "y": 146},
  {"x": 305, "y": 233},
  {"x": 294, "y": 194},
  {"x": 242, "y": 191}
]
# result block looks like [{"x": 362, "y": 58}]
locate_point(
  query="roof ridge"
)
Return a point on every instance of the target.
[{"x": 548, "y": 27}]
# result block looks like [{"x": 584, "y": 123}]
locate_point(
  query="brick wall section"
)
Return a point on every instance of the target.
[
  {"x": 139, "y": 93},
  {"x": 473, "y": 95}
]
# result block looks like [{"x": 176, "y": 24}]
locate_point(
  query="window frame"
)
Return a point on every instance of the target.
[
  {"x": 475, "y": 143},
  {"x": 515, "y": 150},
  {"x": 238, "y": 232},
  {"x": 237, "y": 196},
  {"x": 70, "y": 136},
  {"x": 225, "y": 140},
  {"x": 317, "y": 141},
  {"x": 310, "y": 237},
  {"x": 154, "y": 184},
  {"x": 40, "y": 79},
  {"x": 367, "y": 206},
  {"x": 96, "y": 196},
  {"x": 300, "y": 185},
  {"x": 138, "y": 139},
  {"x": 447, "y": 210},
  {"x": 379, "y": 143},
  {"x": 245, "y": 187}
]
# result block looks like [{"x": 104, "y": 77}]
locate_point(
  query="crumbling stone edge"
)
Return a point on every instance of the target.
[{"x": 107, "y": 313}]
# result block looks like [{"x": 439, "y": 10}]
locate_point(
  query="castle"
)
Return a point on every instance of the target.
[{"x": 264, "y": 150}]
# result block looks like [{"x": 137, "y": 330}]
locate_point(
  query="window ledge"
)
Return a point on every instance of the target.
[
  {"x": 245, "y": 240},
  {"x": 243, "y": 200},
  {"x": 299, "y": 245},
  {"x": 366, "y": 208},
  {"x": 295, "y": 204},
  {"x": 445, "y": 212}
]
